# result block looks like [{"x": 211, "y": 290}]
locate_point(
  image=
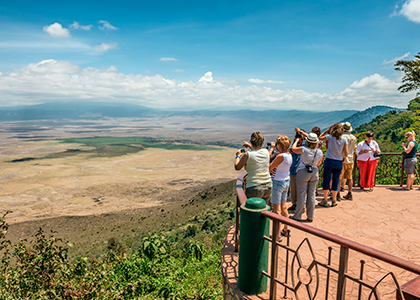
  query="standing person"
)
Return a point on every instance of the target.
[
  {"x": 348, "y": 163},
  {"x": 293, "y": 171},
  {"x": 368, "y": 153},
  {"x": 317, "y": 131},
  {"x": 279, "y": 168},
  {"x": 307, "y": 176},
  {"x": 410, "y": 159},
  {"x": 336, "y": 153},
  {"x": 256, "y": 162}
]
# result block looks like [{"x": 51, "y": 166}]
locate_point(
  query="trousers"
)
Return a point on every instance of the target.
[{"x": 367, "y": 170}]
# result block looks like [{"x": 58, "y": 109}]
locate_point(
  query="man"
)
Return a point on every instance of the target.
[{"x": 348, "y": 163}]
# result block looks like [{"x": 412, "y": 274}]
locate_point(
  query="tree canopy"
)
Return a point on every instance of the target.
[{"x": 411, "y": 69}]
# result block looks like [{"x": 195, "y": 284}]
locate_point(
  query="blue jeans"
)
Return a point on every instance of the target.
[{"x": 332, "y": 168}]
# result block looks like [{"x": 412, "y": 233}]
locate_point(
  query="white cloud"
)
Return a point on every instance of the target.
[
  {"x": 179, "y": 70},
  {"x": 393, "y": 61},
  {"x": 411, "y": 10},
  {"x": 260, "y": 81},
  {"x": 57, "y": 31},
  {"x": 105, "y": 47},
  {"x": 168, "y": 59},
  {"x": 106, "y": 25},
  {"x": 52, "y": 80},
  {"x": 76, "y": 25},
  {"x": 86, "y": 27}
]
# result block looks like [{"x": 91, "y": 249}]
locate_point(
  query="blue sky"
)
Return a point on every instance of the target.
[{"x": 318, "y": 55}]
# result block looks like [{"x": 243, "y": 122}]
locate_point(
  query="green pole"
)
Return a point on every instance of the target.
[{"x": 253, "y": 249}]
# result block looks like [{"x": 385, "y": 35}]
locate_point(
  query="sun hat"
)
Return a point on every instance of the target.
[
  {"x": 312, "y": 138},
  {"x": 347, "y": 126}
]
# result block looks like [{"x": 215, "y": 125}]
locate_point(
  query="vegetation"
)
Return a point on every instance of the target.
[
  {"x": 165, "y": 258},
  {"x": 411, "y": 69},
  {"x": 40, "y": 269}
]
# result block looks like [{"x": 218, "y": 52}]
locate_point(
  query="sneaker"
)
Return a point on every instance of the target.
[
  {"x": 341, "y": 189},
  {"x": 292, "y": 208},
  {"x": 334, "y": 203},
  {"x": 323, "y": 203},
  {"x": 285, "y": 233},
  {"x": 370, "y": 189},
  {"x": 309, "y": 220},
  {"x": 338, "y": 197},
  {"x": 349, "y": 196}
]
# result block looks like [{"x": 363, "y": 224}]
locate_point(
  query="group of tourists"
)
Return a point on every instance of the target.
[{"x": 290, "y": 169}]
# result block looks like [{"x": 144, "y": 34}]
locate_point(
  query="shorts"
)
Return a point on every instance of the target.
[
  {"x": 279, "y": 192},
  {"x": 347, "y": 172},
  {"x": 260, "y": 191},
  {"x": 410, "y": 165}
]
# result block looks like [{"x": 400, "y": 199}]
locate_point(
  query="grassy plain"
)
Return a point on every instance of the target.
[{"x": 91, "y": 189}]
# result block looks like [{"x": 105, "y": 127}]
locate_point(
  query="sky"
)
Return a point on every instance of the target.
[{"x": 307, "y": 55}]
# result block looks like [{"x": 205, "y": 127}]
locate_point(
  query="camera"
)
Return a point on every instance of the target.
[
  {"x": 298, "y": 135},
  {"x": 268, "y": 146},
  {"x": 309, "y": 168},
  {"x": 376, "y": 154}
]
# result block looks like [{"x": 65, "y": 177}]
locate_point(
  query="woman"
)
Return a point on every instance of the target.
[
  {"x": 368, "y": 153},
  {"x": 280, "y": 175},
  {"x": 255, "y": 161},
  {"x": 336, "y": 153},
  {"x": 410, "y": 159},
  {"x": 307, "y": 176}
]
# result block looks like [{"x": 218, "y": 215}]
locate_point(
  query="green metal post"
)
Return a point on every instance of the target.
[{"x": 253, "y": 249}]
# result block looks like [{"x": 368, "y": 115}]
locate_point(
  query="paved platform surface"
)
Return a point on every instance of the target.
[{"x": 387, "y": 219}]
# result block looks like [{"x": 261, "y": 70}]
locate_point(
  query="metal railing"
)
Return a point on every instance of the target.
[
  {"x": 390, "y": 170},
  {"x": 293, "y": 282}
]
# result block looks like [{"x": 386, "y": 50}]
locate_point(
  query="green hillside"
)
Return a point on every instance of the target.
[{"x": 390, "y": 128}]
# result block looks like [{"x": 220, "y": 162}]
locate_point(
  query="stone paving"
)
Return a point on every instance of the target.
[{"x": 387, "y": 219}]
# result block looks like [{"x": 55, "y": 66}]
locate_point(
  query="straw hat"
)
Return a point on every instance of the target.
[
  {"x": 347, "y": 126},
  {"x": 312, "y": 138}
]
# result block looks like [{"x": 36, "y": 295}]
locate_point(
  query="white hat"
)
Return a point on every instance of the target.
[{"x": 312, "y": 138}]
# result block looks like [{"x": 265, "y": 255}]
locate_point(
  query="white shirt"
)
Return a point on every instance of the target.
[{"x": 364, "y": 146}]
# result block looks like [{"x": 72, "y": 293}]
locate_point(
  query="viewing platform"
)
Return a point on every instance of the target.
[{"x": 386, "y": 219}]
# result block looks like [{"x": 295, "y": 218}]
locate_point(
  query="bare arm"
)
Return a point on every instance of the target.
[
  {"x": 323, "y": 137},
  {"x": 295, "y": 148},
  {"x": 303, "y": 133},
  {"x": 346, "y": 152},
  {"x": 240, "y": 159},
  {"x": 276, "y": 162},
  {"x": 409, "y": 147}
]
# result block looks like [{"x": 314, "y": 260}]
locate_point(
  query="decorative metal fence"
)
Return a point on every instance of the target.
[{"x": 303, "y": 278}]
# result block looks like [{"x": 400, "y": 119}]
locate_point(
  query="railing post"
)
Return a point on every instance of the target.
[
  {"x": 342, "y": 269},
  {"x": 402, "y": 170},
  {"x": 274, "y": 260},
  {"x": 253, "y": 248},
  {"x": 238, "y": 204}
]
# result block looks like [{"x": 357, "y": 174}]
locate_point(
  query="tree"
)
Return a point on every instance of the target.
[{"x": 411, "y": 79}]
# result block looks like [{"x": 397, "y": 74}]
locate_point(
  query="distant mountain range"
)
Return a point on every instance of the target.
[
  {"x": 285, "y": 119},
  {"x": 368, "y": 115}
]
